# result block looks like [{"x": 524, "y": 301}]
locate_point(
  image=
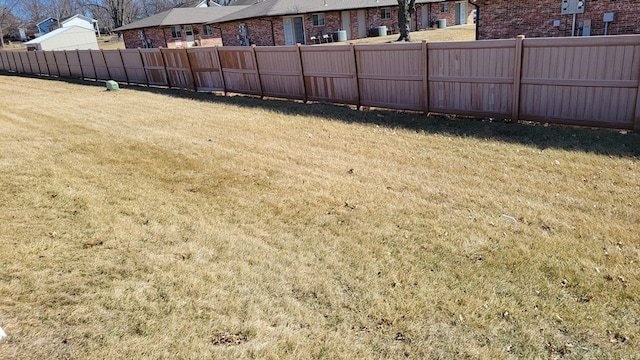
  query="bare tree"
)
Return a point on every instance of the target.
[
  {"x": 7, "y": 19},
  {"x": 34, "y": 10},
  {"x": 114, "y": 12},
  {"x": 406, "y": 9}
]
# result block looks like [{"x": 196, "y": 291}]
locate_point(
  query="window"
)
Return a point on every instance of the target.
[
  {"x": 207, "y": 30},
  {"x": 318, "y": 19},
  {"x": 445, "y": 7},
  {"x": 176, "y": 32},
  {"x": 385, "y": 13}
]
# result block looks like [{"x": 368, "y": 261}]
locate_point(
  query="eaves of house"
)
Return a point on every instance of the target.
[
  {"x": 269, "y": 8},
  {"x": 182, "y": 16}
]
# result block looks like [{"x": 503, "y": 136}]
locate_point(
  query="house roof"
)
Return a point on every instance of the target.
[
  {"x": 263, "y": 8},
  {"x": 182, "y": 16},
  {"x": 45, "y": 20},
  {"x": 68, "y": 18},
  {"x": 239, "y": 10},
  {"x": 54, "y": 33}
]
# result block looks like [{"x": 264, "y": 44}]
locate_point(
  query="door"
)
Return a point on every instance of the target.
[
  {"x": 425, "y": 17},
  {"x": 294, "y": 30},
  {"x": 346, "y": 23},
  {"x": 188, "y": 33},
  {"x": 461, "y": 13},
  {"x": 362, "y": 25}
]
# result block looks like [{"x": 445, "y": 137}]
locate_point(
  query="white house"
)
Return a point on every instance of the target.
[
  {"x": 65, "y": 38},
  {"x": 82, "y": 21}
]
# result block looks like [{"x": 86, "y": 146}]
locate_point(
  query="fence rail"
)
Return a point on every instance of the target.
[{"x": 580, "y": 81}]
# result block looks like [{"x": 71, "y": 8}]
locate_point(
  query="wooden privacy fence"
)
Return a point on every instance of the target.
[{"x": 591, "y": 81}]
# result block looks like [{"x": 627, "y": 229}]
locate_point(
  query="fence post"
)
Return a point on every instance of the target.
[
  {"x": 425, "y": 77},
  {"x": 144, "y": 70},
  {"x": 304, "y": 87},
  {"x": 355, "y": 67},
  {"x": 636, "y": 120},
  {"x": 255, "y": 61},
  {"x": 219, "y": 63},
  {"x": 164, "y": 63},
  {"x": 66, "y": 58},
  {"x": 517, "y": 77},
  {"x": 193, "y": 77},
  {"x": 16, "y": 57},
  {"x": 124, "y": 67},
  {"x": 80, "y": 64}
]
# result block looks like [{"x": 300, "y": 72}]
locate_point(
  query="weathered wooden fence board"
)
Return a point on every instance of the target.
[
  {"x": 134, "y": 66},
  {"x": 330, "y": 73},
  {"x": 240, "y": 69},
  {"x": 43, "y": 63},
  {"x": 472, "y": 78},
  {"x": 61, "y": 61},
  {"x": 115, "y": 65},
  {"x": 154, "y": 67},
  {"x": 281, "y": 71},
  {"x": 3, "y": 61},
  {"x": 392, "y": 75},
  {"x": 86, "y": 64},
  {"x": 100, "y": 65},
  {"x": 581, "y": 81},
  {"x": 24, "y": 60},
  {"x": 176, "y": 63},
  {"x": 207, "y": 72},
  {"x": 73, "y": 60},
  {"x": 33, "y": 61},
  {"x": 18, "y": 62},
  {"x": 51, "y": 63}
]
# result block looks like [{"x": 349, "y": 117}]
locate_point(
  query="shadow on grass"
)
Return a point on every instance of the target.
[{"x": 598, "y": 141}]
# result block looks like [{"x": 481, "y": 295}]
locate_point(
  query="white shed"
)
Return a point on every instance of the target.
[
  {"x": 65, "y": 38},
  {"x": 79, "y": 20}
]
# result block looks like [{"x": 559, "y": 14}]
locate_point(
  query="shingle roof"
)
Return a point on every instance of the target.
[
  {"x": 182, "y": 16},
  {"x": 260, "y": 8},
  {"x": 293, "y": 7}
]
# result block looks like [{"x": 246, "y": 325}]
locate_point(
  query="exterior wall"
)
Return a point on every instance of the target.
[
  {"x": 161, "y": 37},
  {"x": 510, "y": 18},
  {"x": 74, "y": 39},
  {"x": 78, "y": 22}
]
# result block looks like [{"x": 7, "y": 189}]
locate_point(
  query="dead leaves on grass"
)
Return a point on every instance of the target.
[
  {"x": 95, "y": 241},
  {"x": 228, "y": 339}
]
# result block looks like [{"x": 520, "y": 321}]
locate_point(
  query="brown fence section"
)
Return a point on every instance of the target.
[
  {"x": 240, "y": 70},
  {"x": 581, "y": 81},
  {"x": 330, "y": 73},
  {"x": 393, "y": 76},
  {"x": 207, "y": 72},
  {"x": 281, "y": 72},
  {"x": 592, "y": 81},
  {"x": 176, "y": 63},
  {"x": 154, "y": 67},
  {"x": 133, "y": 66}
]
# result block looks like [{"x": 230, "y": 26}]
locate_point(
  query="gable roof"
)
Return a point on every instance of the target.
[
  {"x": 69, "y": 18},
  {"x": 46, "y": 20},
  {"x": 55, "y": 33},
  {"x": 263, "y": 8},
  {"x": 182, "y": 16},
  {"x": 260, "y": 8}
]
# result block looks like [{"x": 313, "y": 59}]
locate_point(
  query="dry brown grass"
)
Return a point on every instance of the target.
[
  {"x": 452, "y": 33},
  {"x": 148, "y": 224}
]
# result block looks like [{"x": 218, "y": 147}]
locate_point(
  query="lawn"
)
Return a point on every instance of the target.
[{"x": 162, "y": 224}]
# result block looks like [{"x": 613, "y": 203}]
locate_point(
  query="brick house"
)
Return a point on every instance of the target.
[
  {"x": 285, "y": 22},
  {"x": 543, "y": 18},
  {"x": 176, "y": 28}
]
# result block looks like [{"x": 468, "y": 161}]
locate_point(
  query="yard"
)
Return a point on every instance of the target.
[{"x": 161, "y": 224}]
